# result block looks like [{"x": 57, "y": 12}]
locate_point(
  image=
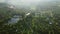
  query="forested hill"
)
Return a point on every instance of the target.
[{"x": 50, "y": 6}]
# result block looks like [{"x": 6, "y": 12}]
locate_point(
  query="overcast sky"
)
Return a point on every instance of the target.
[
  {"x": 24, "y": 2},
  {"x": 2, "y": 1}
]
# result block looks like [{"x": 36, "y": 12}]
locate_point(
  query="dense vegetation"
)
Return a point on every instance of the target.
[{"x": 45, "y": 24}]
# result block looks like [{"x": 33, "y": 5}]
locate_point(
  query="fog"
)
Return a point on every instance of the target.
[
  {"x": 2, "y": 1},
  {"x": 32, "y": 3},
  {"x": 25, "y": 2}
]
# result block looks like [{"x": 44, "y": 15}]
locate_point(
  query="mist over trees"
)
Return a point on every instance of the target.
[{"x": 42, "y": 18}]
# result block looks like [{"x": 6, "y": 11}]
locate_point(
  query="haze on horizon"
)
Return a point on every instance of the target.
[
  {"x": 25, "y": 2},
  {"x": 29, "y": 3}
]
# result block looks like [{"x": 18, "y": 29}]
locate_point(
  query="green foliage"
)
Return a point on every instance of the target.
[{"x": 30, "y": 24}]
